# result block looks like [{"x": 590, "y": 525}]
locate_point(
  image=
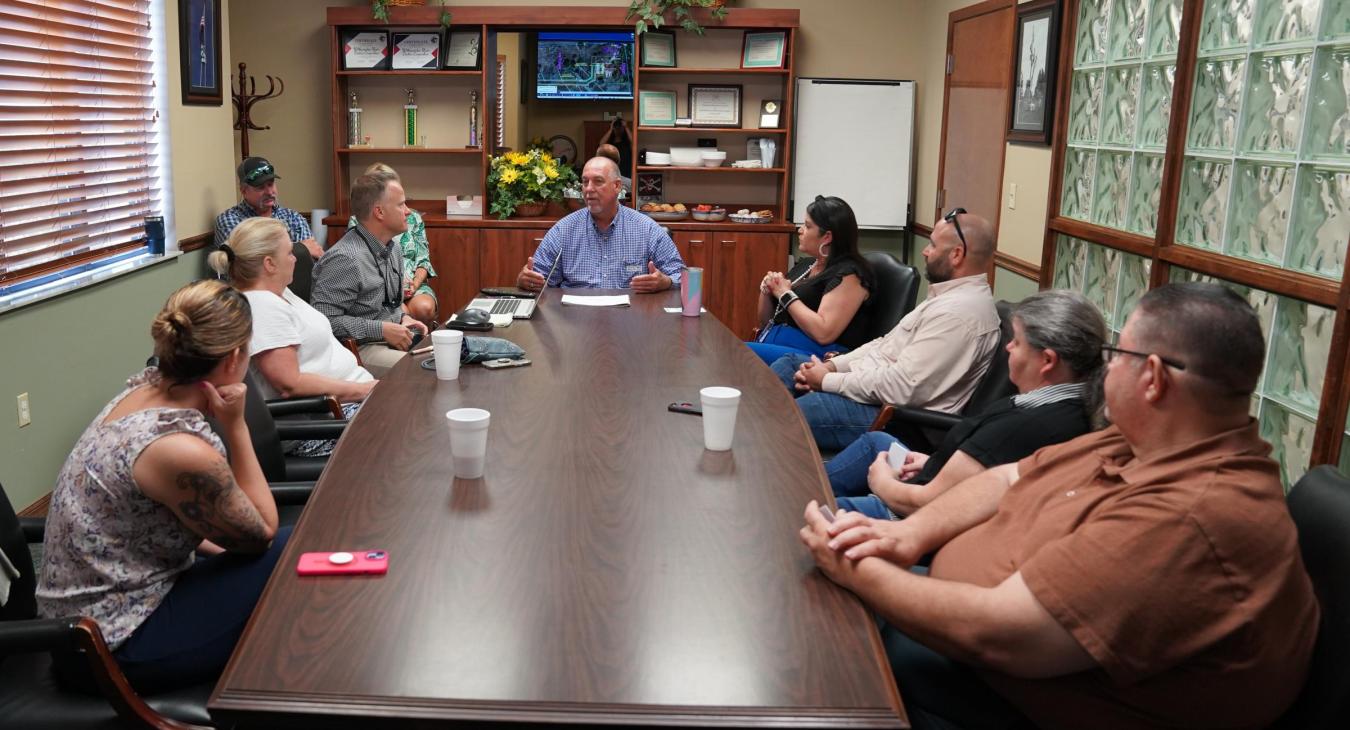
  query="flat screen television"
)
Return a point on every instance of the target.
[{"x": 583, "y": 65}]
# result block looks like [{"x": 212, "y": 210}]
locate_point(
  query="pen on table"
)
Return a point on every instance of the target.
[{"x": 423, "y": 350}]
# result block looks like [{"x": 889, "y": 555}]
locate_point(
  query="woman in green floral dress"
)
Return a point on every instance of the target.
[{"x": 418, "y": 298}]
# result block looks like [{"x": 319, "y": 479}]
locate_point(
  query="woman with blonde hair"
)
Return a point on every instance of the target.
[
  {"x": 294, "y": 350},
  {"x": 418, "y": 298},
  {"x": 149, "y": 484}
]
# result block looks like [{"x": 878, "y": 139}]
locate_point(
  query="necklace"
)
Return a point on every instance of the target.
[{"x": 778, "y": 308}]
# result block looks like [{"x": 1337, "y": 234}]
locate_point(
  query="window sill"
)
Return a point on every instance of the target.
[{"x": 101, "y": 273}]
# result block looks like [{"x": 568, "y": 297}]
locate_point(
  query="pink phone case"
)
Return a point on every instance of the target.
[{"x": 365, "y": 562}]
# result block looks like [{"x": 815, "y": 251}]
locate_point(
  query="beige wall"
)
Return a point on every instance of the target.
[
  {"x": 202, "y": 151},
  {"x": 73, "y": 352}
]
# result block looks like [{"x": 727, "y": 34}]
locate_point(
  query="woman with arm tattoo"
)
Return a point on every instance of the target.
[{"x": 146, "y": 485}]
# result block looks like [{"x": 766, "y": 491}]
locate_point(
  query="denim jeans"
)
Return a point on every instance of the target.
[
  {"x": 868, "y": 504},
  {"x": 835, "y": 421},
  {"x": 848, "y": 469},
  {"x": 781, "y": 340},
  {"x": 942, "y": 694}
]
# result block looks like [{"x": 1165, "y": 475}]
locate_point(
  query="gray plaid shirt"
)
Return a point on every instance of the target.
[{"x": 358, "y": 286}]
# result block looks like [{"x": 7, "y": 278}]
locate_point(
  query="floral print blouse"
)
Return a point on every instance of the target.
[{"x": 111, "y": 553}]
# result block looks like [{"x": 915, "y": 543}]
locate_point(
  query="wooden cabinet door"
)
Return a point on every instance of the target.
[
  {"x": 742, "y": 259},
  {"x": 503, "y": 252},
  {"x": 454, "y": 256}
]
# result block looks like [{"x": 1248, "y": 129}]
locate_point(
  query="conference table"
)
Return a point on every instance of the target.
[{"x": 606, "y": 569}]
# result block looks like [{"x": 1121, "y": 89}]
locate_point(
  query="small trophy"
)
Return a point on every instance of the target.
[
  {"x": 410, "y": 136},
  {"x": 353, "y": 122},
  {"x": 473, "y": 118}
]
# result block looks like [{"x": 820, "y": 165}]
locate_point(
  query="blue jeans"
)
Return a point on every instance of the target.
[
  {"x": 190, "y": 636},
  {"x": 942, "y": 694},
  {"x": 848, "y": 469},
  {"x": 835, "y": 421},
  {"x": 781, "y": 340},
  {"x": 868, "y": 504}
]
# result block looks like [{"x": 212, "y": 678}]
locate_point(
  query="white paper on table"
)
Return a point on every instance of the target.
[
  {"x": 677, "y": 310},
  {"x": 611, "y": 300}
]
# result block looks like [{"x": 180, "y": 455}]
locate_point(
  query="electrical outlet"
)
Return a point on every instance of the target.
[
  {"x": 25, "y": 413},
  {"x": 1012, "y": 196}
]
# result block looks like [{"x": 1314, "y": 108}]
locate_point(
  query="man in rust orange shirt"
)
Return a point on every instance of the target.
[{"x": 1143, "y": 576}]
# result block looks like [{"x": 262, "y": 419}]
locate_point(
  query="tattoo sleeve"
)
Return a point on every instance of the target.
[{"x": 218, "y": 510}]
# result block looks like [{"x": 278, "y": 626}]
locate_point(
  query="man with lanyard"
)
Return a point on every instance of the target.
[
  {"x": 258, "y": 186},
  {"x": 358, "y": 285},
  {"x": 604, "y": 245}
]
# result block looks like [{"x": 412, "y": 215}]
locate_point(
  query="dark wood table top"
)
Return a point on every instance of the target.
[{"x": 606, "y": 568}]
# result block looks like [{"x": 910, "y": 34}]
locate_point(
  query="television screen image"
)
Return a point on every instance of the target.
[{"x": 584, "y": 65}]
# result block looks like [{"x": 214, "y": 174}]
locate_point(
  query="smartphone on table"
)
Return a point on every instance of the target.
[{"x": 356, "y": 562}]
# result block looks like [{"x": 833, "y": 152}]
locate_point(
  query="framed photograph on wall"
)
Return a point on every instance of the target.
[
  {"x": 715, "y": 105},
  {"x": 658, "y": 49},
  {"x": 1031, "y": 113},
  {"x": 199, "y": 51}
]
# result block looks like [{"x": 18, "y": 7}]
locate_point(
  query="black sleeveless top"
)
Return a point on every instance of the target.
[{"x": 813, "y": 289}]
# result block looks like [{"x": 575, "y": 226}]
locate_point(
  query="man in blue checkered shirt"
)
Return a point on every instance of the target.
[
  {"x": 604, "y": 245},
  {"x": 258, "y": 184}
]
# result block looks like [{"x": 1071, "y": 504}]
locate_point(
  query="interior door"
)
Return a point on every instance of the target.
[{"x": 975, "y": 111}]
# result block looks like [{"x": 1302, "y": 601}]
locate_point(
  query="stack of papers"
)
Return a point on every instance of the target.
[{"x": 613, "y": 300}]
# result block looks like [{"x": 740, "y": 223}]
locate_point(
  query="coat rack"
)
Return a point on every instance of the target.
[{"x": 245, "y": 97}]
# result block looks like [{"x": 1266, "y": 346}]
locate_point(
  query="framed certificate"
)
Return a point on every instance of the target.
[
  {"x": 656, "y": 108},
  {"x": 420, "y": 51},
  {"x": 715, "y": 105},
  {"x": 769, "y": 109},
  {"x": 365, "y": 50},
  {"x": 658, "y": 49},
  {"x": 463, "y": 50},
  {"x": 764, "y": 50}
]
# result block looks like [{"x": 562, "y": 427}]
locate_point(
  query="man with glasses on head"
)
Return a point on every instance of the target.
[
  {"x": 358, "y": 286},
  {"x": 1146, "y": 575},
  {"x": 258, "y": 186},
  {"x": 934, "y": 358}
]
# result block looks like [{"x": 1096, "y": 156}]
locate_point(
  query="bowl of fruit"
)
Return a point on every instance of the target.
[{"x": 710, "y": 213}]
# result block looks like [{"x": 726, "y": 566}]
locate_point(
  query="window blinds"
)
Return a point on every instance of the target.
[{"x": 77, "y": 132}]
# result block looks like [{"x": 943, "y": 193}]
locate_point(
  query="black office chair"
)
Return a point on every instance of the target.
[
  {"x": 267, "y": 433},
  {"x": 1320, "y": 506},
  {"x": 302, "y": 283},
  {"x": 922, "y": 429},
  {"x": 29, "y": 695},
  {"x": 896, "y": 291}
]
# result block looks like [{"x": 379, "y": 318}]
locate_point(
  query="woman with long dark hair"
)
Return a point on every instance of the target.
[{"x": 820, "y": 305}]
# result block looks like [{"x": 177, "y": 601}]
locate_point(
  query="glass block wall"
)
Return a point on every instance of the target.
[
  {"x": 1120, "y": 103},
  {"x": 1298, "y": 344},
  {"x": 1266, "y": 175},
  {"x": 1111, "y": 279}
]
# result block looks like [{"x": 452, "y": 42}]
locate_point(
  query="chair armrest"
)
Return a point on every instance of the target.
[
  {"x": 309, "y": 404},
  {"x": 34, "y": 528},
  {"x": 291, "y": 492},
  {"x": 883, "y": 418},
  {"x": 309, "y": 430},
  {"x": 925, "y": 418},
  {"x": 350, "y": 344},
  {"x": 82, "y": 635}
]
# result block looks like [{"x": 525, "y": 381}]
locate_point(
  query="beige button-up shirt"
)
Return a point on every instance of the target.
[{"x": 933, "y": 358}]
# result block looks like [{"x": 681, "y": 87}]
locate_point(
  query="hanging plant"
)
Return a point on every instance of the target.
[
  {"x": 379, "y": 9},
  {"x": 651, "y": 13}
]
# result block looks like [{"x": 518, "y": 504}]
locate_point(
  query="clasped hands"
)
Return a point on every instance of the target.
[
  {"x": 839, "y": 546},
  {"x": 811, "y": 375},
  {"x": 775, "y": 284},
  {"x": 652, "y": 281}
]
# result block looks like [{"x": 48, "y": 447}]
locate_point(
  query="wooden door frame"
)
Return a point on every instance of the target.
[{"x": 954, "y": 17}]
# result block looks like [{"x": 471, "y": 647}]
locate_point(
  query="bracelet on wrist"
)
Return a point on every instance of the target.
[{"x": 787, "y": 299}]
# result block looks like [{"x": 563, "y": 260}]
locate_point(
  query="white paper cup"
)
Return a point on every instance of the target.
[
  {"x": 468, "y": 440},
  {"x": 719, "y": 416},
  {"x": 446, "y": 346}
]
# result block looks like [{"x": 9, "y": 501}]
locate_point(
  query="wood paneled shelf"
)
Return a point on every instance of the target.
[
  {"x": 723, "y": 168},
  {"x": 737, "y": 71},
  {"x": 713, "y": 130},
  {"x": 412, "y": 150},
  {"x": 411, "y": 72}
]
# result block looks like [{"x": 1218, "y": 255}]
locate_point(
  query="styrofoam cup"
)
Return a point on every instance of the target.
[
  {"x": 719, "y": 416},
  {"x": 468, "y": 440},
  {"x": 445, "y": 347}
]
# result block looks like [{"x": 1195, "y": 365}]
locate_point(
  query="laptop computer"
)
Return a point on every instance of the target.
[{"x": 516, "y": 308}]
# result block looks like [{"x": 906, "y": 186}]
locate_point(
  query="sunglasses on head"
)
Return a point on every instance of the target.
[
  {"x": 257, "y": 173},
  {"x": 951, "y": 218}
]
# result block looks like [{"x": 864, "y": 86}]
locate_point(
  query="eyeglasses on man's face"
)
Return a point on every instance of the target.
[
  {"x": 1109, "y": 352},
  {"x": 951, "y": 218}
]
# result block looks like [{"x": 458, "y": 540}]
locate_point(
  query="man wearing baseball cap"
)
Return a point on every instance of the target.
[{"x": 258, "y": 185}]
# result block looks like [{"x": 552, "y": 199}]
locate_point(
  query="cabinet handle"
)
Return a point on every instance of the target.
[
  {"x": 728, "y": 243},
  {"x": 540, "y": 240},
  {"x": 695, "y": 241}
]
